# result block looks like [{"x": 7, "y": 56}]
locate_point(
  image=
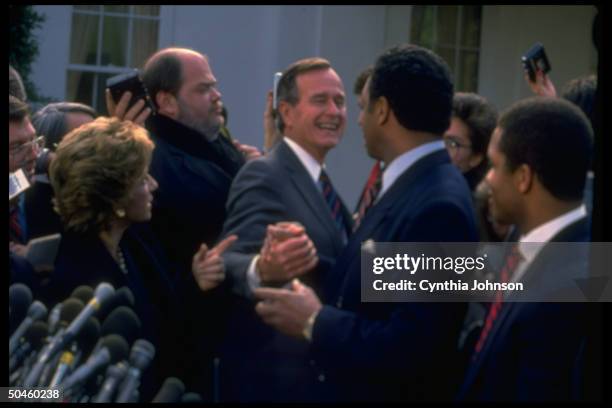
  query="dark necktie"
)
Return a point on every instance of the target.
[
  {"x": 333, "y": 201},
  {"x": 512, "y": 262},
  {"x": 15, "y": 230},
  {"x": 369, "y": 194}
]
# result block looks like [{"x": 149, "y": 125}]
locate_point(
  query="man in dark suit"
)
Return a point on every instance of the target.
[
  {"x": 194, "y": 167},
  {"x": 390, "y": 351},
  {"x": 290, "y": 184},
  {"x": 539, "y": 153}
]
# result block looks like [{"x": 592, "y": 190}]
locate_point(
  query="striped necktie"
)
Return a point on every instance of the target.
[
  {"x": 333, "y": 202},
  {"x": 369, "y": 194},
  {"x": 15, "y": 230},
  {"x": 512, "y": 262}
]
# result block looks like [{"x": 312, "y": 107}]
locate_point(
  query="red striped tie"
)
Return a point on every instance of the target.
[
  {"x": 512, "y": 261},
  {"x": 15, "y": 231},
  {"x": 370, "y": 192}
]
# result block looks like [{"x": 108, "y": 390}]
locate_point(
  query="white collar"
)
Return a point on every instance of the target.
[
  {"x": 312, "y": 166},
  {"x": 543, "y": 233},
  {"x": 403, "y": 162}
]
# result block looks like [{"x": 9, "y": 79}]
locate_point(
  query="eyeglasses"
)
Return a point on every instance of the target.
[
  {"x": 37, "y": 144},
  {"x": 452, "y": 144}
]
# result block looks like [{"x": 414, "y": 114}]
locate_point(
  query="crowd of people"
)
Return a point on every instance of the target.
[{"x": 245, "y": 264}]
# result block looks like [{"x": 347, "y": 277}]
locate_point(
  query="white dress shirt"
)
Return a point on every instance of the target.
[{"x": 531, "y": 243}]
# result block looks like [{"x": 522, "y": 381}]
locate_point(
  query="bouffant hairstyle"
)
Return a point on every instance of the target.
[{"x": 95, "y": 167}]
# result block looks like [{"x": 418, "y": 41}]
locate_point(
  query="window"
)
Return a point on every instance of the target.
[
  {"x": 452, "y": 32},
  {"x": 106, "y": 41}
]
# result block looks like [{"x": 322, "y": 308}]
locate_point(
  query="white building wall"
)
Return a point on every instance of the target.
[{"x": 247, "y": 44}]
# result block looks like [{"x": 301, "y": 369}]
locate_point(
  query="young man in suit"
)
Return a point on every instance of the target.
[
  {"x": 390, "y": 351},
  {"x": 288, "y": 184},
  {"x": 540, "y": 154}
]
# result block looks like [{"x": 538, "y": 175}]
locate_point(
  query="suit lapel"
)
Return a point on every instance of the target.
[{"x": 308, "y": 190}]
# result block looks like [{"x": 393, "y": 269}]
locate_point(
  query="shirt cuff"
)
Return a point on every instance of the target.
[{"x": 253, "y": 279}]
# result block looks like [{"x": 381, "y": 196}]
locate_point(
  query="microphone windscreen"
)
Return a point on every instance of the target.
[
  {"x": 117, "y": 346},
  {"x": 122, "y": 297},
  {"x": 104, "y": 291},
  {"x": 88, "y": 335},
  {"x": 191, "y": 397},
  {"x": 171, "y": 391},
  {"x": 84, "y": 293},
  {"x": 36, "y": 334},
  {"x": 71, "y": 308},
  {"x": 20, "y": 299},
  {"x": 122, "y": 321},
  {"x": 37, "y": 310}
]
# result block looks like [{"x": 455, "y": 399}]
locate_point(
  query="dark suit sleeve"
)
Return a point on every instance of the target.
[
  {"x": 356, "y": 341},
  {"x": 253, "y": 203}
]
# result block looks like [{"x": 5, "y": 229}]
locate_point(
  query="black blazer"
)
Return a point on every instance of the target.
[
  {"x": 394, "y": 351},
  {"x": 258, "y": 363},
  {"x": 530, "y": 353},
  {"x": 83, "y": 259}
]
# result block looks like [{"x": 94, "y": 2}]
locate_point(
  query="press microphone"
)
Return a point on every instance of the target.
[
  {"x": 20, "y": 299},
  {"x": 62, "y": 337},
  {"x": 140, "y": 358},
  {"x": 36, "y": 311},
  {"x": 191, "y": 398},
  {"x": 113, "y": 348},
  {"x": 42, "y": 370},
  {"x": 114, "y": 375},
  {"x": 81, "y": 346},
  {"x": 123, "y": 321},
  {"x": 34, "y": 338},
  {"x": 84, "y": 293},
  {"x": 122, "y": 297},
  {"x": 171, "y": 391},
  {"x": 54, "y": 317}
]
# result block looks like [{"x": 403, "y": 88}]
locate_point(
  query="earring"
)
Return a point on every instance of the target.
[{"x": 120, "y": 212}]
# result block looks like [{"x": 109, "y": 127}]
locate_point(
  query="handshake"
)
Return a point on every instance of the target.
[{"x": 287, "y": 253}]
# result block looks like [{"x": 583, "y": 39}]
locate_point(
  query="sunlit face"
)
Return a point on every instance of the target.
[
  {"x": 367, "y": 121},
  {"x": 504, "y": 197},
  {"x": 22, "y": 149},
  {"x": 199, "y": 100},
  {"x": 140, "y": 198},
  {"x": 318, "y": 119},
  {"x": 459, "y": 146}
]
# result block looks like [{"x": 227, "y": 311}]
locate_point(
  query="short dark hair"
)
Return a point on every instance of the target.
[
  {"x": 361, "y": 80},
  {"x": 50, "y": 121},
  {"x": 163, "y": 71},
  {"x": 287, "y": 85},
  {"x": 581, "y": 92},
  {"x": 554, "y": 138},
  {"x": 18, "y": 109},
  {"x": 479, "y": 116},
  {"x": 16, "y": 87},
  {"x": 417, "y": 83}
]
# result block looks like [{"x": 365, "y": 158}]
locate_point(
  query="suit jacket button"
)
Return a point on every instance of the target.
[{"x": 321, "y": 377}]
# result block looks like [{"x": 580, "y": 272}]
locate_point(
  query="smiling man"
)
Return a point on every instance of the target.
[{"x": 289, "y": 184}]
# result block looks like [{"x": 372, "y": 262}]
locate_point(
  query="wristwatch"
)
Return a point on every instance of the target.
[{"x": 307, "y": 331}]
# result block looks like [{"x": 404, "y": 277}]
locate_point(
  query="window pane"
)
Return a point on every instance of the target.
[
  {"x": 422, "y": 26},
  {"x": 447, "y": 25},
  {"x": 470, "y": 36},
  {"x": 84, "y": 39},
  {"x": 144, "y": 40},
  {"x": 469, "y": 72},
  {"x": 117, "y": 9},
  {"x": 79, "y": 87},
  {"x": 448, "y": 55},
  {"x": 114, "y": 41},
  {"x": 86, "y": 7},
  {"x": 100, "y": 99},
  {"x": 146, "y": 10}
]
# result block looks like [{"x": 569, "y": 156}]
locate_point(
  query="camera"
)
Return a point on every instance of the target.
[
  {"x": 119, "y": 84},
  {"x": 535, "y": 59}
]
